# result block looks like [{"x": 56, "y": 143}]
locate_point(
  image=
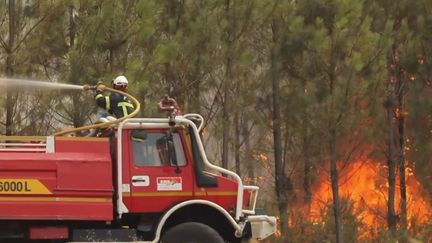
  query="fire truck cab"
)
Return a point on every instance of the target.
[{"x": 150, "y": 181}]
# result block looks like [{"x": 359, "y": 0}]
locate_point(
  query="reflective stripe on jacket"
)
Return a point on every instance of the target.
[{"x": 116, "y": 104}]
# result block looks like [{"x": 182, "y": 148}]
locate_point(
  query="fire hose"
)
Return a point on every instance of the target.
[{"x": 137, "y": 106}]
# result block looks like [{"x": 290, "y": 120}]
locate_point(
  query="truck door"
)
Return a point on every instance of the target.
[{"x": 161, "y": 175}]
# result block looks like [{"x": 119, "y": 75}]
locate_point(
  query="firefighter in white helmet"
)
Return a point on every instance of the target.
[{"x": 115, "y": 104}]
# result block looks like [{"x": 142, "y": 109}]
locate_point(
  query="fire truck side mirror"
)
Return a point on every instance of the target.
[
  {"x": 139, "y": 135},
  {"x": 166, "y": 149},
  {"x": 171, "y": 152}
]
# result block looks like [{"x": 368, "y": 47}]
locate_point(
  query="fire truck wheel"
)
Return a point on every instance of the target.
[{"x": 192, "y": 232}]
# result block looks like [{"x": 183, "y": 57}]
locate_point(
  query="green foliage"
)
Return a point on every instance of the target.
[{"x": 166, "y": 51}]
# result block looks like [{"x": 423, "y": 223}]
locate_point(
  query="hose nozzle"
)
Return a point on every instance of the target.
[{"x": 87, "y": 87}]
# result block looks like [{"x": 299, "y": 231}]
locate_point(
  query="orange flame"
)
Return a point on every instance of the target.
[{"x": 365, "y": 183}]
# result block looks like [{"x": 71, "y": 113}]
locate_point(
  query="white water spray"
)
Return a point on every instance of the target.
[{"x": 11, "y": 82}]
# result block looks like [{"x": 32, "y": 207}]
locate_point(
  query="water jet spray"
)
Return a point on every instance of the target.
[{"x": 11, "y": 82}]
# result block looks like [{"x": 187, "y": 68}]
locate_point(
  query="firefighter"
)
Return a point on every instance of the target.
[
  {"x": 169, "y": 105},
  {"x": 115, "y": 104}
]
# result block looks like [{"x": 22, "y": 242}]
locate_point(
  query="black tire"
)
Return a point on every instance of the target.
[{"x": 191, "y": 232}]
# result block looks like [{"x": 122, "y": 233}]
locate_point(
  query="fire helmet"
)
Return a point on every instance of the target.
[{"x": 120, "y": 81}]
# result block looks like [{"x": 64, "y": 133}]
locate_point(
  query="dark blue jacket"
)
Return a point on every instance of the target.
[{"x": 116, "y": 104}]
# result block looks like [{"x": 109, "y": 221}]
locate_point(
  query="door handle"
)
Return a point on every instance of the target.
[{"x": 140, "y": 180}]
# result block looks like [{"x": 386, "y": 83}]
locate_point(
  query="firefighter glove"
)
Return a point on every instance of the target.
[{"x": 100, "y": 87}]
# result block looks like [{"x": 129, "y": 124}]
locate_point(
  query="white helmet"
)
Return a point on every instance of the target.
[{"x": 120, "y": 80}]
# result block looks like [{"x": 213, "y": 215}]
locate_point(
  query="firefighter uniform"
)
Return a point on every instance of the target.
[{"x": 116, "y": 104}]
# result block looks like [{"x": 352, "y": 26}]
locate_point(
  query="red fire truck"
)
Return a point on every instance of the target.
[{"x": 150, "y": 181}]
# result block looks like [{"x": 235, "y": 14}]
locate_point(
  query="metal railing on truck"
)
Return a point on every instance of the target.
[
  {"x": 43, "y": 144},
  {"x": 185, "y": 120}
]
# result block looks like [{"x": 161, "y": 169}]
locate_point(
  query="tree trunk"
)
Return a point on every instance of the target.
[
  {"x": 400, "y": 94},
  {"x": 307, "y": 162},
  {"x": 334, "y": 177},
  {"x": 237, "y": 143},
  {"x": 248, "y": 153},
  {"x": 226, "y": 96},
  {"x": 391, "y": 215},
  {"x": 10, "y": 100},
  {"x": 194, "y": 95},
  {"x": 72, "y": 26},
  {"x": 226, "y": 115},
  {"x": 403, "y": 200},
  {"x": 78, "y": 119},
  {"x": 334, "y": 174},
  {"x": 277, "y": 137}
]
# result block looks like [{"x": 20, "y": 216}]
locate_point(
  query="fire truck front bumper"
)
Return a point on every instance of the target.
[{"x": 262, "y": 226}]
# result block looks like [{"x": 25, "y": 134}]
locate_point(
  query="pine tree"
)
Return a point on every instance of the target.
[{"x": 341, "y": 47}]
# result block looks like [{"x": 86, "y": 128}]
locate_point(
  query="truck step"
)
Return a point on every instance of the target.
[{"x": 104, "y": 235}]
